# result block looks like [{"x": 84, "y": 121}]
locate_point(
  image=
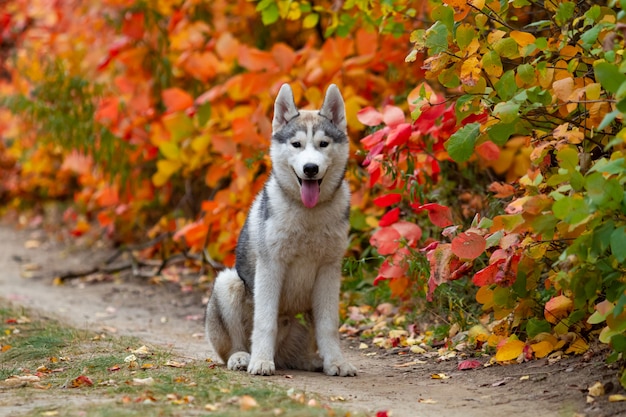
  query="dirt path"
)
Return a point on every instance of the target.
[{"x": 386, "y": 381}]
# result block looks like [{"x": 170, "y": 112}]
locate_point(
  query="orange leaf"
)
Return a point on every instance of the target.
[
  {"x": 176, "y": 99},
  {"x": 460, "y": 7},
  {"x": 202, "y": 66},
  {"x": 468, "y": 245},
  {"x": 501, "y": 190},
  {"x": 510, "y": 350},
  {"x": 558, "y": 308},
  {"x": 522, "y": 38},
  {"x": 107, "y": 196}
]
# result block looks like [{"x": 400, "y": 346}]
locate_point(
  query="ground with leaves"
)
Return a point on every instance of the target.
[{"x": 392, "y": 380}]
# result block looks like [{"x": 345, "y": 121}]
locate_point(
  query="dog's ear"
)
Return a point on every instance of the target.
[
  {"x": 284, "y": 108},
  {"x": 333, "y": 108}
]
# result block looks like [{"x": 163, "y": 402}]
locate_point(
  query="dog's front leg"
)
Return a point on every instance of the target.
[
  {"x": 326, "y": 318},
  {"x": 267, "y": 288}
]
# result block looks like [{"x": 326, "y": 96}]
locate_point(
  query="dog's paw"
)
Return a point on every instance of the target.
[
  {"x": 340, "y": 369},
  {"x": 262, "y": 367},
  {"x": 238, "y": 361}
]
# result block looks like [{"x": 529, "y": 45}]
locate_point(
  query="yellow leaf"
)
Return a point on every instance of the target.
[
  {"x": 246, "y": 402},
  {"x": 522, "y": 38},
  {"x": 616, "y": 398},
  {"x": 165, "y": 169},
  {"x": 542, "y": 349},
  {"x": 310, "y": 21},
  {"x": 470, "y": 71},
  {"x": 578, "y": 347},
  {"x": 510, "y": 350},
  {"x": 563, "y": 88}
]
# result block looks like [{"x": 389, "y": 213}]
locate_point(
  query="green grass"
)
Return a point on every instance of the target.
[{"x": 35, "y": 345}]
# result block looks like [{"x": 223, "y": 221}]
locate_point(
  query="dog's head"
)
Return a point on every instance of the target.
[{"x": 310, "y": 147}]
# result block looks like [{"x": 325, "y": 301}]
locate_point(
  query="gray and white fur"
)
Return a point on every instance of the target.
[{"x": 279, "y": 306}]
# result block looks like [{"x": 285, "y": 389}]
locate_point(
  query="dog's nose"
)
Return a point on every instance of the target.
[{"x": 311, "y": 170}]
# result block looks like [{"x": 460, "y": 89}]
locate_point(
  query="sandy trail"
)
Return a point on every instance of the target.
[{"x": 164, "y": 317}]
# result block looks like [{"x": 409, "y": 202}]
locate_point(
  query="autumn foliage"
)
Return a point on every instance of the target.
[{"x": 487, "y": 139}]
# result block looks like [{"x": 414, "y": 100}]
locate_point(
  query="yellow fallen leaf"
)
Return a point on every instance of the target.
[
  {"x": 542, "y": 349},
  {"x": 174, "y": 364},
  {"x": 524, "y": 377},
  {"x": 143, "y": 381},
  {"x": 510, "y": 350},
  {"x": 416, "y": 349},
  {"x": 246, "y": 402},
  {"x": 439, "y": 376},
  {"x": 143, "y": 350},
  {"x": 363, "y": 346},
  {"x": 596, "y": 390},
  {"x": 617, "y": 397},
  {"x": 427, "y": 401},
  {"x": 578, "y": 347}
]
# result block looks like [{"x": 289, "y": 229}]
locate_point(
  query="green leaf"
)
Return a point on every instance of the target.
[
  {"x": 492, "y": 64},
  {"x": 437, "y": 38},
  {"x": 444, "y": 15},
  {"x": 590, "y": 36},
  {"x": 506, "y": 87},
  {"x": 609, "y": 76},
  {"x": 270, "y": 14},
  {"x": 507, "y": 111},
  {"x": 501, "y": 132},
  {"x": 464, "y": 35},
  {"x": 506, "y": 48},
  {"x": 460, "y": 145},
  {"x": 203, "y": 113},
  {"x": 571, "y": 209},
  {"x": 568, "y": 158},
  {"x": 564, "y": 13},
  {"x": 618, "y": 244},
  {"x": 535, "y": 326},
  {"x": 526, "y": 73}
]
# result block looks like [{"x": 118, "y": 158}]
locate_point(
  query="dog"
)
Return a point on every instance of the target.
[{"x": 279, "y": 306}]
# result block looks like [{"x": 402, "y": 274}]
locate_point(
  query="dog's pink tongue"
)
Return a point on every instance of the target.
[{"x": 310, "y": 192}]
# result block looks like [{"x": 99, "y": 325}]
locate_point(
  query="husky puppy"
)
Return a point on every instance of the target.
[{"x": 279, "y": 306}]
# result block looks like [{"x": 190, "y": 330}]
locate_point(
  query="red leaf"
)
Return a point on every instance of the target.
[
  {"x": 439, "y": 215},
  {"x": 410, "y": 231},
  {"x": 369, "y": 116},
  {"x": 400, "y": 135},
  {"x": 392, "y": 270},
  {"x": 469, "y": 364},
  {"x": 488, "y": 150},
  {"x": 81, "y": 381},
  {"x": 390, "y": 217},
  {"x": 375, "y": 138},
  {"x": 393, "y": 116},
  {"x": 487, "y": 276},
  {"x": 387, "y": 199},
  {"x": 382, "y": 414},
  {"x": 385, "y": 240},
  {"x": 468, "y": 245}
]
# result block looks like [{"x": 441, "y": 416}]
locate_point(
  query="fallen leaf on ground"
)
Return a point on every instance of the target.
[
  {"x": 510, "y": 350},
  {"x": 469, "y": 364},
  {"x": 439, "y": 376},
  {"x": 617, "y": 397},
  {"x": 427, "y": 401},
  {"x": 143, "y": 381},
  {"x": 174, "y": 364},
  {"x": 246, "y": 402},
  {"x": 81, "y": 381},
  {"x": 141, "y": 351},
  {"x": 596, "y": 390}
]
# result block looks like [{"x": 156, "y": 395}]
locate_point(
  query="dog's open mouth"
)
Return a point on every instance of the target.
[{"x": 309, "y": 191}]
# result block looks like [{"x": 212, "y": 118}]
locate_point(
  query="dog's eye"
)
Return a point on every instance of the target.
[
  {"x": 323, "y": 144},
  {"x": 295, "y": 144}
]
